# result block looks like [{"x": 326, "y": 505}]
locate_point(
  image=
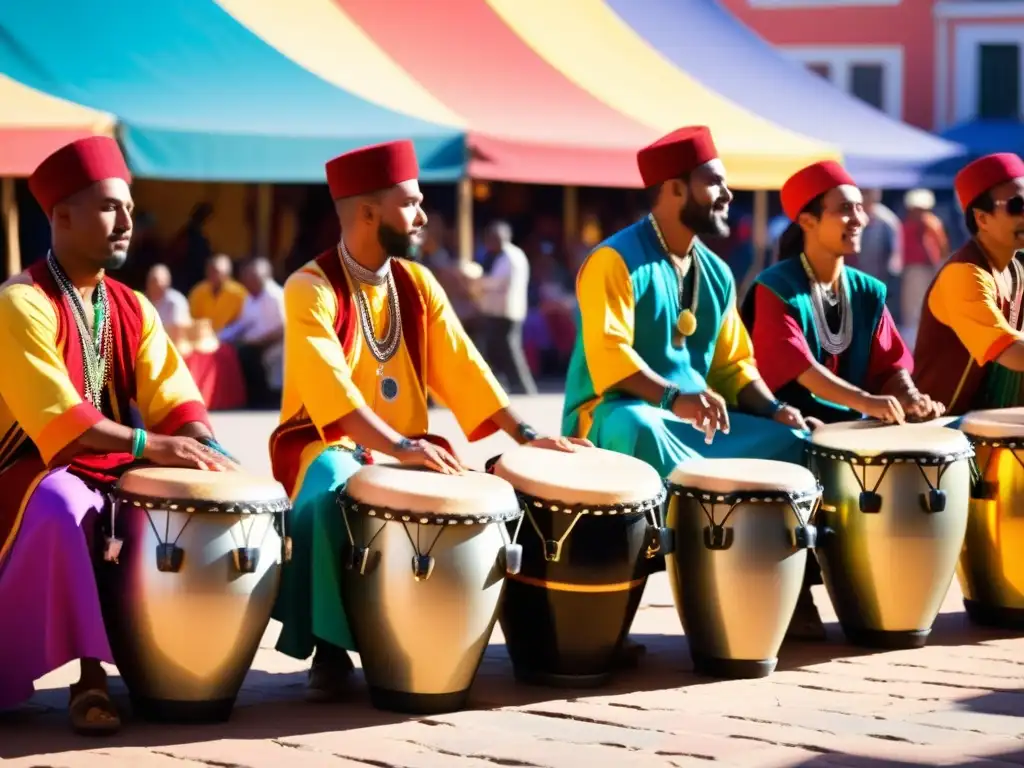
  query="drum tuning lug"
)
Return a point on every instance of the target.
[
  {"x": 870, "y": 502},
  {"x": 717, "y": 537},
  {"x": 660, "y": 541},
  {"x": 983, "y": 489},
  {"x": 934, "y": 501},
  {"x": 359, "y": 559},
  {"x": 806, "y": 537},
  {"x": 422, "y": 567},
  {"x": 286, "y": 549},
  {"x": 169, "y": 558},
  {"x": 247, "y": 559},
  {"x": 552, "y": 550},
  {"x": 512, "y": 554}
]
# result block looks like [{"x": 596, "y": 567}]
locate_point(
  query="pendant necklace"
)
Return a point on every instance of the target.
[
  {"x": 833, "y": 343},
  {"x": 686, "y": 323},
  {"x": 381, "y": 349}
]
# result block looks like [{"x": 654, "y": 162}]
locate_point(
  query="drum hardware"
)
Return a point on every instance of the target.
[{"x": 988, "y": 489}]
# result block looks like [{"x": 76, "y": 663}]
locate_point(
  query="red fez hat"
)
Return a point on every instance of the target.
[
  {"x": 676, "y": 155},
  {"x": 805, "y": 185},
  {"x": 984, "y": 173},
  {"x": 369, "y": 169},
  {"x": 75, "y": 167}
]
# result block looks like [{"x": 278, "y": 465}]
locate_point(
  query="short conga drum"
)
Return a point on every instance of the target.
[
  {"x": 742, "y": 530},
  {"x": 424, "y": 571},
  {"x": 192, "y": 572},
  {"x": 991, "y": 567},
  {"x": 890, "y": 525},
  {"x": 591, "y": 525}
]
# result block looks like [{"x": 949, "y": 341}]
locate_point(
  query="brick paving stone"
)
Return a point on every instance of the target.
[{"x": 107, "y": 758}]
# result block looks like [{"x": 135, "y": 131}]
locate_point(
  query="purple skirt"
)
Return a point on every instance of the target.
[{"x": 49, "y": 602}]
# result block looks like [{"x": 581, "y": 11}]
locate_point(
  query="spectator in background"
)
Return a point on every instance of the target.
[
  {"x": 218, "y": 298},
  {"x": 925, "y": 247},
  {"x": 171, "y": 304},
  {"x": 258, "y": 334},
  {"x": 501, "y": 295},
  {"x": 881, "y": 248}
]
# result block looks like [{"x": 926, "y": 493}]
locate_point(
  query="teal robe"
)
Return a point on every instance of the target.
[{"x": 628, "y": 425}]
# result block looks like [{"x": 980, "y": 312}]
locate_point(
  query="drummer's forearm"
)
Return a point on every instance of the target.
[
  {"x": 369, "y": 430},
  {"x": 820, "y": 381},
  {"x": 105, "y": 437},
  {"x": 196, "y": 430},
  {"x": 900, "y": 385},
  {"x": 645, "y": 385},
  {"x": 755, "y": 398},
  {"x": 509, "y": 422}
]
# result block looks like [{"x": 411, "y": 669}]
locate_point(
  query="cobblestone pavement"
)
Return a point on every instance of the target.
[{"x": 956, "y": 702}]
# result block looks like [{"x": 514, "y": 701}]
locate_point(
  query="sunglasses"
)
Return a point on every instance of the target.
[{"x": 1014, "y": 205}]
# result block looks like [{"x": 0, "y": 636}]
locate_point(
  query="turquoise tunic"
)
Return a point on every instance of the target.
[{"x": 628, "y": 425}]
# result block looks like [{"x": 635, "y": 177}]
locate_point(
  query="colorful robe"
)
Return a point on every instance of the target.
[
  {"x": 628, "y": 306},
  {"x": 965, "y": 326},
  {"x": 779, "y": 313},
  {"x": 42, "y": 406},
  {"x": 330, "y": 372}
]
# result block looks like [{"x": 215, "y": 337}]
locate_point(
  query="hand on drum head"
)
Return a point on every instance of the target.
[
  {"x": 920, "y": 407},
  {"x": 884, "y": 408},
  {"x": 423, "y": 453},
  {"x": 187, "y": 452},
  {"x": 791, "y": 417},
  {"x": 566, "y": 444},
  {"x": 706, "y": 410}
]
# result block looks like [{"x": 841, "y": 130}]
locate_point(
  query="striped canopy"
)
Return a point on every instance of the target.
[{"x": 542, "y": 91}]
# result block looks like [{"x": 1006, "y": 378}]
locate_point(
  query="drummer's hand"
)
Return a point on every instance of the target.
[
  {"x": 885, "y": 408},
  {"x": 813, "y": 423},
  {"x": 423, "y": 453},
  {"x": 920, "y": 407},
  {"x": 791, "y": 417},
  {"x": 706, "y": 411},
  {"x": 566, "y": 444},
  {"x": 187, "y": 452}
]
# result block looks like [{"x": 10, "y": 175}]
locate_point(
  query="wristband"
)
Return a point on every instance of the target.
[
  {"x": 138, "y": 443},
  {"x": 775, "y": 407},
  {"x": 528, "y": 433},
  {"x": 668, "y": 397}
]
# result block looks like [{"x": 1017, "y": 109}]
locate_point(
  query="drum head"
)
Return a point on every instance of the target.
[
  {"x": 172, "y": 483},
  {"x": 868, "y": 439},
  {"x": 586, "y": 477},
  {"x": 995, "y": 424},
  {"x": 725, "y": 476},
  {"x": 473, "y": 495}
]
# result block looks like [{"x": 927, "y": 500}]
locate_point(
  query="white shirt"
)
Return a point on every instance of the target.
[
  {"x": 261, "y": 316},
  {"x": 506, "y": 287},
  {"x": 173, "y": 309}
]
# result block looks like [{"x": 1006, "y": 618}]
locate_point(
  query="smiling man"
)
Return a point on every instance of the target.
[
  {"x": 970, "y": 348},
  {"x": 824, "y": 339},
  {"x": 663, "y": 368}
]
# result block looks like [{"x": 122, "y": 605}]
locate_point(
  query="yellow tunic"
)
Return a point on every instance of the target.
[
  {"x": 222, "y": 308},
  {"x": 320, "y": 382},
  {"x": 37, "y": 394}
]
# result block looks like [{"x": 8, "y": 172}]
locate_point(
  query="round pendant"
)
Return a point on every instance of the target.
[
  {"x": 389, "y": 389},
  {"x": 687, "y": 323}
]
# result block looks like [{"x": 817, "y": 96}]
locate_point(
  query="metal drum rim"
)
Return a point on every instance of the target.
[
  {"x": 894, "y": 457},
  {"x": 610, "y": 510},
  {"x": 349, "y": 504},
  {"x": 201, "y": 506},
  {"x": 746, "y": 496}
]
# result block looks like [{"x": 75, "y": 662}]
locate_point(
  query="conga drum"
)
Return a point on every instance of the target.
[
  {"x": 192, "y": 570},
  {"x": 991, "y": 567},
  {"x": 890, "y": 525},
  {"x": 592, "y": 525},
  {"x": 742, "y": 530},
  {"x": 424, "y": 571}
]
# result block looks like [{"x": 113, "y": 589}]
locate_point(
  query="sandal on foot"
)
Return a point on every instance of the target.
[
  {"x": 329, "y": 680},
  {"x": 93, "y": 713}
]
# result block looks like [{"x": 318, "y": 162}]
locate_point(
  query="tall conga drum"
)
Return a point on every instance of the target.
[
  {"x": 192, "y": 572},
  {"x": 424, "y": 572},
  {"x": 591, "y": 526},
  {"x": 742, "y": 531},
  {"x": 890, "y": 525},
  {"x": 991, "y": 567}
]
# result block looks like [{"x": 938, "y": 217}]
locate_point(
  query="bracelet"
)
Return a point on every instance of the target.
[
  {"x": 403, "y": 445},
  {"x": 527, "y": 433},
  {"x": 668, "y": 397},
  {"x": 776, "y": 406},
  {"x": 138, "y": 443}
]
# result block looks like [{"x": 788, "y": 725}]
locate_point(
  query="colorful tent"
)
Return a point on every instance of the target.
[{"x": 520, "y": 90}]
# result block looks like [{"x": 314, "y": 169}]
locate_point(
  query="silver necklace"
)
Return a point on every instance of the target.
[{"x": 833, "y": 343}]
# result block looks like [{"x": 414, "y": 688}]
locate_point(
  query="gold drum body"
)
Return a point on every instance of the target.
[
  {"x": 991, "y": 569},
  {"x": 742, "y": 530},
  {"x": 191, "y": 573},
  {"x": 423, "y": 580},
  {"x": 890, "y": 526}
]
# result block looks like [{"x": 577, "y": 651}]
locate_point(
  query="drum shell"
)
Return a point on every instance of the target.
[
  {"x": 735, "y": 604},
  {"x": 421, "y": 639},
  {"x": 888, "y": 572},
  {"x": 184, "y": 641},
  {"x": 565, "y": 621},
  {"x": 990, "y": 569}
]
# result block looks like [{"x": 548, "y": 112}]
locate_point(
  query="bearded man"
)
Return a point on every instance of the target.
[{"x": 662, "y": 360}]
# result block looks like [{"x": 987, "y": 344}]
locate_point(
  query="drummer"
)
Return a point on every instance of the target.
[
  {"x": 970, "y": 348},
  {"x": 367, "y": 333},
  {"x": 823, "y": 336},
  {"x": 88, "y": 369},
  {"x": 663, "y": 368}
]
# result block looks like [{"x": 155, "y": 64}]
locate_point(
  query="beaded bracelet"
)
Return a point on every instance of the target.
[{"x": 138, "y": 443}]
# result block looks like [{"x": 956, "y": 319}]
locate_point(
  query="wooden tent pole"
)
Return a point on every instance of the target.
[
  {"x": 9, "y": 207},
  {"x": 464, "y": 220}
]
